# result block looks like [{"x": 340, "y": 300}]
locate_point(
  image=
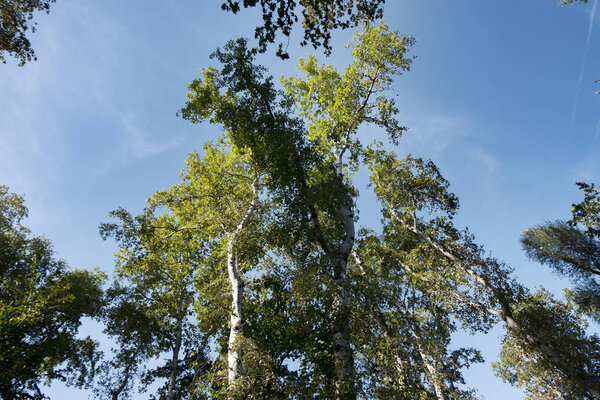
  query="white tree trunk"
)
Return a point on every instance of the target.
[
  {"x": 234, "y": 348},
  {"x": 343, "y": 357},
  {"x": 432, "y": 373}
]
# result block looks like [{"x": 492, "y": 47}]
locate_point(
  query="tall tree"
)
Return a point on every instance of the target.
[
  {"x": 334, "y": 106},
  {"x": 42, "y": 302},
  {"x": 218, "y": 201},
  {"x": 410, "y": 189}
]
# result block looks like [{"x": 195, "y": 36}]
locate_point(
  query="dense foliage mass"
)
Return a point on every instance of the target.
[
  {"x": 290, "y": 298},
  {"x": 253, "y": 278},
  {"x": 319, "y": 19},
  {"x": 42, "y": 302}
]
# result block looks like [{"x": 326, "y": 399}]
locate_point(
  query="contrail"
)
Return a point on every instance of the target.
[{"x": 585, "y": 52}]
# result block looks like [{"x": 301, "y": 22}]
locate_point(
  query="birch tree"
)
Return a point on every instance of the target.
[
  {"x": 317, "y": 181},
  {"x": 151, "y": 306},
  {"x": 416, "y": 198},
  {"x": 219, "y": 202}
]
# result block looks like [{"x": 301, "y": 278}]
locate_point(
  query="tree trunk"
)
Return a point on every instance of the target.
[
  {"x": 343, "y": 356},
  {"x": 234, "y": 348},
  {"x": 580, "y": 378},
  {"x": 175, "y": 359},
  {"x": 431, "y": 371}
]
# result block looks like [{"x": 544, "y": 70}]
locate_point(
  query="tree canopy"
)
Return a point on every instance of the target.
[
  {"x": 319, "y": 19},
  {"x": 255, "y": 277},
  {"x": 42, "y": 303}
]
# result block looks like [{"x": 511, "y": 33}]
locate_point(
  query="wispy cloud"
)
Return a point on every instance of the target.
[
  {"x": 138, "y": 143},
  {"x": 434, "y": 133},
  {"x": 490, "y": 162},
  {"x": 583, "y": 61}
]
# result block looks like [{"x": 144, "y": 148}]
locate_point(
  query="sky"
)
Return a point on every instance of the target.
[{"x": 501, "y": 96}]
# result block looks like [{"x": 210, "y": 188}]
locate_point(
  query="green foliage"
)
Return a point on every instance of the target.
[
  {"x": 587, "y": 213},
  {"x": 320, "y": 18},
  {"x": 311, "y": 233},
  {"x": 562, "y": 330},
  {"x": 335, "y": 105},
  {"x": 572, "y": 249},
  {"x": 567, "y": 249},
  {"x": 536, "y": 324},
  {"x": 150, "y": 307},
  {"x": 15, "y": 21},
  {"x": 42, "y": 302}
]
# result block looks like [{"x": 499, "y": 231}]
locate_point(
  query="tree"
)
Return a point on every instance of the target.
[
  {"x": 150, "y": 310},
  {"x": 572, "y": 249},
  {"x": 417, "y": 200},
  {"x": 194, "y": 238},
  {"x": 320, "y": 18},
  {"x": 316, "y": 182},
  {"x": 219, "y": 195},
  {"x": 42, "y": 302},
  {"x": 15, "y": 21},
  {"x": 559, "y": 325}
]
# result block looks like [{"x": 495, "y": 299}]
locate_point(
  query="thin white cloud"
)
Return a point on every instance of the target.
[
  {"x": 489, "y": 161},
  {"x": 434, "y": 133},
  {"x": 139, "y": 144}
]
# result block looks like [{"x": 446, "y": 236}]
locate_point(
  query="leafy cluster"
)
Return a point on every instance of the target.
[
  {"x": 42, "y": 302},
  {"x": 15, "y": 21},
  {"x": 319, "y": 19},
  {"x": 572, "y": 249}
]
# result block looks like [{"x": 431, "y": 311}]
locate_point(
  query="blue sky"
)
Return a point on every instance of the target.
[{"x": 500, "y": 97}]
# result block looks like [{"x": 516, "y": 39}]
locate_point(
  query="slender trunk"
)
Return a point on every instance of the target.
[
  {"x": 343, "y": 359},
  {"x": 580, "y": 378},
  {"x": 175, "y": 359},
  {"x": 115, "y": 393},
  {"x": 343, "y": 356},
  {"x": 431, "y": 371},
  {"x": 234, "y": 348}
]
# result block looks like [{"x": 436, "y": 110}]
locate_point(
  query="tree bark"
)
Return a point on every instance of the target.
[
  {"x": 343, "y": 356},
  {"x": 175, "y": 359},
  {"x": 580, "y": 378},
  {"x": 234, "y": 349},
  {"x": 431, "y": 371}
]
